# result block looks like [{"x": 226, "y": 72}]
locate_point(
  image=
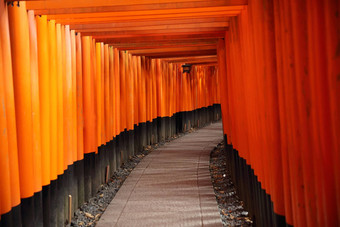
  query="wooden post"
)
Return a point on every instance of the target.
[{"x": 69, "y": 209}]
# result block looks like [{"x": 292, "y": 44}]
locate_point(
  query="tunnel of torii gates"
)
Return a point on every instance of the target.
[{"x": 86, "y": 84}]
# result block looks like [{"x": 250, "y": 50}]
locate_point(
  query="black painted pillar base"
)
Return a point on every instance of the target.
[
  {"x": 13, "y": 217},
  {"x": 257, "y": 201},
  {"x": 46, "y": 199},
  {"x": 80, "y": 180},
  {"x": 154, "y": 134},
  {"x": 115, "y": 161},
  {"x": 143, "y": 135},
  {"x": 60, "y": 201},
  {"x": 184, "y": 121},
  {"x": 196, "y": 119},
  {"x": 167, "y": 128},
  {"x": 53, "y": 200},
  {"x": 105, "y": 162},
  {"x": 38, "y": 211},
  {"x": 118, "y": 150},
  {"x": 173, "y": 125},
  {"x": 122, "y": 146},
  {"x": 178, "y": 123},
  {"x": 27, "y": 211},
  {"x": 137, "y": 143},
  {"x": 112, "y": 156},
  {"x": 161, "y": 129},
  {"x": 148, "y": 132},
  {"x": 131, "y": 146},
  {"x": 16, "y": 214},
  {"x": 96, "y": 177},
  {"x": 88, "y": 174}
]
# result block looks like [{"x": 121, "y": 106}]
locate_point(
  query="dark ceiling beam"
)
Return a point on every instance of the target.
[
  {"x": 154, "y": 38},
  {"x": 162, "y": 44},
  {"x": 147, "y": 17},
  {"x": 170, "y": 28},
  {"x": 165, "y": 32},
  {"x": 127, "y": 24},
  {"x": 132, "y": 14},
  {"x": 205, "y": 64},
  {"x": 173, "y": 49},
  {"x": 145, "y": 24},
  {"x": 190, "y": 60},
  {"x": 181, "y": 54}
]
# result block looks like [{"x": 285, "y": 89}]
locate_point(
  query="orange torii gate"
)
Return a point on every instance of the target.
[{"x": 86, "y": 84}]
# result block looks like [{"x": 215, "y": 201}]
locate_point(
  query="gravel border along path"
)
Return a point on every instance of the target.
[{"x": 231, "y": 207}]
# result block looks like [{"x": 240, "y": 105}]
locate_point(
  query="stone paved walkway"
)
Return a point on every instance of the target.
[{"x": 170, "y": 187}]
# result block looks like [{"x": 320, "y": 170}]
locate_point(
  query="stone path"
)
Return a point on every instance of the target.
[{"x": 170, "y": 187}]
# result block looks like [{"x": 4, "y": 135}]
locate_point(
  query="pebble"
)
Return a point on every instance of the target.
[{"x": 89, "y": 215}]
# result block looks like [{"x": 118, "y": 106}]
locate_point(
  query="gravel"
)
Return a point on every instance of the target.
[{"x": 231, "y": 207}]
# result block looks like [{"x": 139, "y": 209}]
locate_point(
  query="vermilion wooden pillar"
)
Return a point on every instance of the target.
[
  {"x": 122, "y": 71},
  {"x": 102, "y": 93},
  {"x": 90, "y": 129},
  {"x": 142, "y": 91},
  {"x": 98, "y": 84},
  {"x": 135, "y": 90},
  {"x": 113, "y": 104},
  {"x": 129, "y": 92},
  {"x": 317, "y": 15},
  {"x": 300, "y": 42},
  {"x": 79, "y": 98},
  {"x": 44, "y": 92},
  {"x": 19, "y": 34},
  {"x": 222, "y": 73},
  {"x": 117, "y": 90},
  {"x": 68, "y": 130},
  {"x": 106, "y": 97},
  {"x": 74, "y": 96},
  {"x": 60, "y": 99},
  {"x": 5, "y": 192},
  {"x": 10, "y": 104},
  {"x": 52, "y": 45},
  {"x": 154, "y": 87},
  {"x": 283, "y": 117},
  {"x": 36, "y": 136},
  {"x": 333, "y": 71}
]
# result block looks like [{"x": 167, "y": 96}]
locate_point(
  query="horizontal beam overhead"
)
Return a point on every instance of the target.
[
  {"x": 170, "y": 28},
  {"x": 190, "y": 31},
  {"x": 192, "y": 60},
  {"x": 180, "y": 54},
  {"x": 173, "y": 49},
  {"x": 205, "y": 64},
  {"x": 163, "y": 44},
  {"x": 175, "y": 11},
  {"x": 89, "y": 6},
  {"x": 188, "y": 58},
  {"x": 162, "y": 38},
  {"x": 145, "y": 17},
  {"x": 195, "y": 62},
  {"x": 148, "y": 24}
]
